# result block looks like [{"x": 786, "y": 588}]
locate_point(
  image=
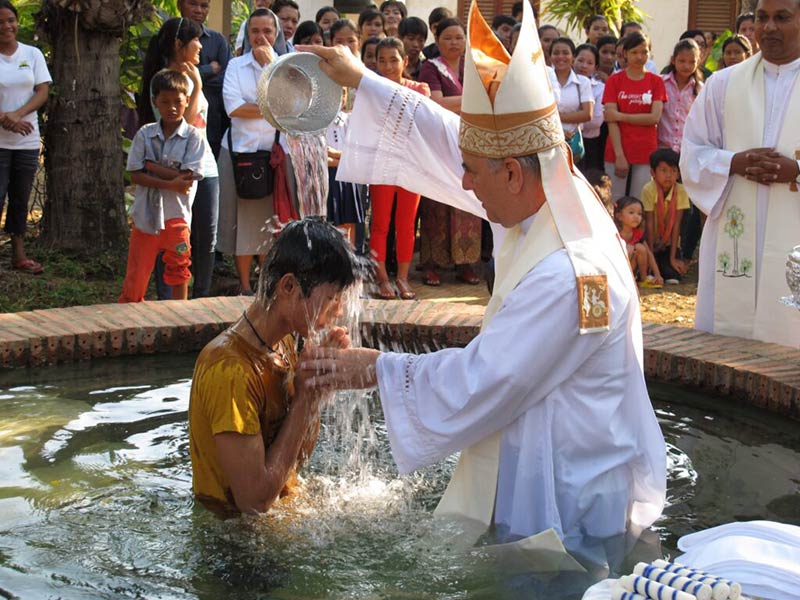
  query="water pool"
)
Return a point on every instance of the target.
[{"x": 95, "y": 497}]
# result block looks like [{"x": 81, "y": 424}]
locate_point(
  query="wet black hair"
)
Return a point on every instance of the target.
[
  {"x": 445, "y": 23},
  {"x": 7, "y": 4},
  {"x": 316, "y": 253},
  {"x": 325, "y": 9},
  {"x": 160, "y": 51},
  {"x": 306, "y": 30},
  {"x": 665, "y": 155},
  {"x": 412, "y": 26},
  {"x": 742, "y": 18}
]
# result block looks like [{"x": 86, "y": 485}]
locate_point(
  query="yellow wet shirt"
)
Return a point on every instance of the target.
[{"x": 239, "y": 388}]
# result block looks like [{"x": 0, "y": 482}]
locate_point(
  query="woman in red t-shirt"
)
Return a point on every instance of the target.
[{"x": 633, "y": 99}]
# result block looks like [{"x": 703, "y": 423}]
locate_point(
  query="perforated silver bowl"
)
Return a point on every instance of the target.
[{"x": 295, "y": 96}]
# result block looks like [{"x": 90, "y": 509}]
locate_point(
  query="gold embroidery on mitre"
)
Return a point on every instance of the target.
[
  {"x": 537, "y": 136},
  {"x": 593, "y": 302}
]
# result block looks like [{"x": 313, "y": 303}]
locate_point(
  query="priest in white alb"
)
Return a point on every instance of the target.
[
  {"x": 739, "y": 164},
  {"x": 548, "y": 404}
]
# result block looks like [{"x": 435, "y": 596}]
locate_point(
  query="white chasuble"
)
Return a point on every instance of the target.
[{"x": 747, "y": 289}]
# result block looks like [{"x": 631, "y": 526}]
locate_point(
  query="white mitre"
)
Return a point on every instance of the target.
[{"x": 508, "y": 110}]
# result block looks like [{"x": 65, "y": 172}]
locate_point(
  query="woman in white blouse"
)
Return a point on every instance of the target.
[
  {"x": 587, "y": 59},
  {"x": 243, "y": 223},
  {"x": 573, "y": 92}
]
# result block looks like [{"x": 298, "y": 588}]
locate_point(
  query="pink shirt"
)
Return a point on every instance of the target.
[{"x": 676, "y": 109}]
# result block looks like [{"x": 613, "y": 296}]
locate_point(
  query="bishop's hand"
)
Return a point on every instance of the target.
[
  {"x": 338, "y": 63},
  {"x": 337, "y": 368}
]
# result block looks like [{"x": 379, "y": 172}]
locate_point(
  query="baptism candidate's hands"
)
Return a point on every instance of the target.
[
  {"x": 338, "y": 63},
  {"x": 338, "y": 368}
]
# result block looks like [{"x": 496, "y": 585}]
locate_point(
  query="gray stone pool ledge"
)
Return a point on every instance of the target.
[{"x": 764, "y": 375}]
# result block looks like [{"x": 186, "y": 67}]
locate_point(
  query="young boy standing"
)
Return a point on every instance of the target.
[
  {"x": 165, "y": 160},
  {"x": 665, "y": 201}
]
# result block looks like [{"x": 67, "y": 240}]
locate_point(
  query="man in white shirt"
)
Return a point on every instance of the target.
[
  {"x": 548, "y": 405},
  {"x": 739, "y": 165}
]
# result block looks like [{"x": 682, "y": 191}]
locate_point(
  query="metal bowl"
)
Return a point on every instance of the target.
[{"x": 295, "y": 96}]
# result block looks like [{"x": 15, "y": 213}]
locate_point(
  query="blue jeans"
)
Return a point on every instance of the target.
[
  {"x": 17, "y": 170},
  {"x": 205, "y": 213}
]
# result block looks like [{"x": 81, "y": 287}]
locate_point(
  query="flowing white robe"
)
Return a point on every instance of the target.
[
  {"x": 705, "y": 169},
  {"x": 581, "y": 450}
]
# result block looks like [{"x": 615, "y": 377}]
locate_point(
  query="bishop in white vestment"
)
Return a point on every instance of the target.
[
  {"x": 746, "y": 119},
  {"x": 548, "y": 404}
]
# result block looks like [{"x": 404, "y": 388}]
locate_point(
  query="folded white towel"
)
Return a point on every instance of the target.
[{"x": 765, "y": 530}]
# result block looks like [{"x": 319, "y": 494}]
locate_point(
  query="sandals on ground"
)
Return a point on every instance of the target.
[
  {"x": 29, "y": 266},
  {"x": 406, "y": 291},
  {"x": 431, "y": 277},
  {"x": 467, "y": 275},
  {"x": 386, "y": 290}
]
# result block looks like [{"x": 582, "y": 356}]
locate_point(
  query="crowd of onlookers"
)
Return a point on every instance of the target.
[{"x": 622, "y": 117}]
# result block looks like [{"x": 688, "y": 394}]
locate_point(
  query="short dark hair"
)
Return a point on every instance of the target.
[
  {"x": 325, "y": 9},
  {"x": 7, "y": 4},
  {"x": 445, "y": 23},
  {"x": 391, "y": 42},
  {"x": 627, "y": 24},
  {"x": 742, "y": 18},
  {"x": 503, "y": 20},
  {"x": 167, "y": 80},
  {"x": 605, "y": 40},
  {"x": 279, "y": 4},
  {"x": 440, "y": 13},
  {"x": 690, "y": 34},
  {"x": 545, "y": 27},
  {"x": 389, "y": 3},
  {"x": 516, "y": 9},
  {"x": 315, "y": 252},
  {"x": 591, "y": 48},
  {"x": 667, "y": 156},
  {"x": 306, "y": 30},
  {"x": 368, "y": 14},
  {"x": 563, "y": 40},
  {"x": 412, "y": 26}
]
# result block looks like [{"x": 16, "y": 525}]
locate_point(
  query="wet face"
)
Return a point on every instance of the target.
[
  {"x": 585, "y": 63},
  {"x": 171, "y": 106},
  {"x": 320, "y": 309},
  {"x": 392, "y": 17},
  {"x": 631, "y": 215},
  {"x": 636, "y": 58},
  {"x": 561, "y": 57},
  {"x": 195, "y": 10},
  {"x": 328, "y": 19},
  {"x": 289, "y": 18},
  {"x": 608, "y": 55},
  {"x": 778, "y": 30},
  {"x": 370, "y": 58},
  {"x": 734, "y": 54},
  {"x": 686, "y": 63},
  {"x": 346, "y": 37},
  {"x": 391, "y": 64},
  {"x": 190, "y": 52},
  {"x": 9, "y": 26},
  {"x": 372, "y": 28},
  {"x": 452, "y": 42},
  {"x": 413, "y": 43},
  {"x": 665, "y": 176},
  {"x": 597, "y": 29},
  {"x": 261, "y": 31}
]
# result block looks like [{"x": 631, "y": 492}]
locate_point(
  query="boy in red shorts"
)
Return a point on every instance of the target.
[{"x": 164, "y": 161}]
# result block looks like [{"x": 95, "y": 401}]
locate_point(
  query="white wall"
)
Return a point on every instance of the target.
[{"x": 666, "y": 21}]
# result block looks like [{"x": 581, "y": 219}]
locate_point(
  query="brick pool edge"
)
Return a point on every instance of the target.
[{"x": 761, "y": 374}]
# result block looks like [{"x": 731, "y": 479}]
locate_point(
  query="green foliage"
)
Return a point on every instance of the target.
[
  {"x": 27, "y": 23},
  {"x": 575, "y": 12},
  {"x": 714, "y": 60}
]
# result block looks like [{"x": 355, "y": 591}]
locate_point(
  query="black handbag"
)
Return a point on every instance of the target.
[{"x": 252, "y": 173}]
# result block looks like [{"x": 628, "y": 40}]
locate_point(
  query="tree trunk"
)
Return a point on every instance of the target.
[{"x": 85, "y": 207}]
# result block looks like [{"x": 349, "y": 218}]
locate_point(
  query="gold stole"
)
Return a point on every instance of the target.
[
  {"x": 470, "y": 495},
  {"x": 745, "y": 300}
]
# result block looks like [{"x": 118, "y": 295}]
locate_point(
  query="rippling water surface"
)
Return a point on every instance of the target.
[{"x": 95, "y": 496}]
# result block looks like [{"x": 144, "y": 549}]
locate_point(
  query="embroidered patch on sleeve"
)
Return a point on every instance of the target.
[{"x": 593, "y": 303}]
